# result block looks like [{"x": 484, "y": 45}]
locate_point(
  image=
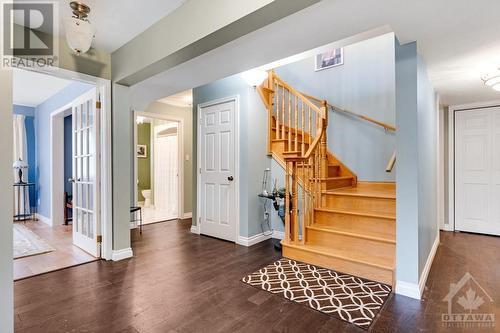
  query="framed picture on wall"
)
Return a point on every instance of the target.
[
  {"x": 329, "y": 59},
  {"x": 142, "y": 151}
]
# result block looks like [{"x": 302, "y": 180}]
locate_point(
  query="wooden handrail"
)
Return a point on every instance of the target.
[
  {"x": 298, "y": 93},
  {"x": 357, "y": 115},
  {"x": 391, "y": 163}
]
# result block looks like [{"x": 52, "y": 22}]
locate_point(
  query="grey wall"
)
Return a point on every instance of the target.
[
  {"x": 365, "y": 84},
  {"x": 122, "y": 161},
  {"x": 417, "y": 142},
  {"x": 407, "y": 160},
  {"x": 6, "y": 204},
  {"x": 427, "y": 164},
  {"x": 186, "y": 115},
  {"x": 42, "y": 125},
  {"x": 253, "y": 146}
]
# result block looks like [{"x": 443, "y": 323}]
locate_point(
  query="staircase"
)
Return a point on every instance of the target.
[{"x": 334, "y": 221}]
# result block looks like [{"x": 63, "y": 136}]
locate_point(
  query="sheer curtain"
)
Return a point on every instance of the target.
[{"x": 20, "y": 151}]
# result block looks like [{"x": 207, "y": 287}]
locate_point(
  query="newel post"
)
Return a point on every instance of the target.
[{"x": 323, "y": 151}]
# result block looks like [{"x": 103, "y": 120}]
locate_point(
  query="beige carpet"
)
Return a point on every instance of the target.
[
  {"x": 27, "y": 243},
  {"x": 344, "y": 296}
]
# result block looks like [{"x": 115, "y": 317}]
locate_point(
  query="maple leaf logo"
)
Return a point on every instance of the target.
[{"x": 471, "y": 301}]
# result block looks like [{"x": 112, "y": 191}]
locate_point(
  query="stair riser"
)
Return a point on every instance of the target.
[
  {"x": 340, "y": 265},
  {"x": 348, "y": 223},
  {"x": 361, "y": 204},
  {"x": 338, "y": 183},
  {"x": 351, "y": 243}
]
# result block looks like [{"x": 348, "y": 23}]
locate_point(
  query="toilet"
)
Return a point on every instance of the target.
[{"x": 147, "y": 197}]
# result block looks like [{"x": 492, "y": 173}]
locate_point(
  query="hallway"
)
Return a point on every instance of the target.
[{"x": 181, "y": 282}]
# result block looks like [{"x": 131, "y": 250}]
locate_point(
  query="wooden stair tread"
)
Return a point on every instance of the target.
[
  {"x": 360, "y": 191},
  {"x": 358, "y": 257},
  {"x": 357, "y": 213},
  {"x": 358, "y": 233}
]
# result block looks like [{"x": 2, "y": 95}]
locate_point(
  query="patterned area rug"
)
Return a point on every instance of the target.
[
  {"x": 27, "y": 243},
  {"x": 343, "y": 296}
]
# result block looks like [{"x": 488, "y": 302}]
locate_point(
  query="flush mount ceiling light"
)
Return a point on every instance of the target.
[
  {"x": 79, "y": 32},
  {"x": 255, "y": 77},
  {"x": 492, "y": 80}
]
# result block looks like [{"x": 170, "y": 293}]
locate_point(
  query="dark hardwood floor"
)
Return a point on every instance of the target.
[{"x": 180, "y": 282}]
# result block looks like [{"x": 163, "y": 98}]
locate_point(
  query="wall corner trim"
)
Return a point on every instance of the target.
[
  {"x": 44, "y": 219},
  {"x": 428, "y": 265},
  {"x": 195, "y": 229},
  {"x": 252, "y": 240},
  {"x": 122, "y": 254}
]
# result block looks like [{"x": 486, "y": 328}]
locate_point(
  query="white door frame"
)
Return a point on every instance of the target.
[
  {"x": 450, "y": 225},
  {"x": 103, "y": 87},
  {"x": 236, "y": 100},
  {"x": 180, "y": 150}
]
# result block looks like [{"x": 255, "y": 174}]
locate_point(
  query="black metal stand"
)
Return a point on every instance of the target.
[{"x": 23, "y": 212}]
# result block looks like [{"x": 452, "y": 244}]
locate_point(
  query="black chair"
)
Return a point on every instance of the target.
[{"x": 134, "y": 210}]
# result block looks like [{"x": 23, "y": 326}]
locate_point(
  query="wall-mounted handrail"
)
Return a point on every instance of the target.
[
  {"x": 354, "y": 114},
  {"x": 391, "y": 163}
]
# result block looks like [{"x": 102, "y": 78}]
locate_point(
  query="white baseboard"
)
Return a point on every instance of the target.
[
  {"x": 252, "y": 240},
  {"x": 195, "y": 229},
  {"x": 408, "y": 289},
  {"x": 122, "y": 254},
  {"x": 428, "y": 264},
  {"x": 44, "y": 219},
  {"x": 278, "y": 234},
  {"x": 414, "y": 290},
  {"x": 187, "y": 215}
]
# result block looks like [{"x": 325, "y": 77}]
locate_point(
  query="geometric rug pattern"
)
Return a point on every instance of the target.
[
  {"x": 27, "y": 243},
  {"x": 349, "y": 298}
]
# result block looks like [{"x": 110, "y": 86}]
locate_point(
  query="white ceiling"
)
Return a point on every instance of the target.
[
  {"x": 458, "y": 39},
  {"x": 32, "y": 89},
  {"x": 118, "y": 21}
]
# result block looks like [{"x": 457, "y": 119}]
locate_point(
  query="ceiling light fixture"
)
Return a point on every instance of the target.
[
  {"x": 79, "y": 32},
  {"x": 492, "y": 80},
  {"x": 254, "y": 77}
]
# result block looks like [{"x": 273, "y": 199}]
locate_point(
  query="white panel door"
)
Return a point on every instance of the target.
[
  {"x": 217, "y": 165},
  {"x": 86, "y": 226},
  {"x": 477, "y": 171},
  {"x": 166, "y": 172}
]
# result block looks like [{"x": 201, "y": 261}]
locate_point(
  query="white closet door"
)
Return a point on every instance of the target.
[
  {"x": 477, "y": 171},
  {"x": 166, "y": 173}
]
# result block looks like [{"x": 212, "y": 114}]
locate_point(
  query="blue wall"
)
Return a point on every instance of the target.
[
  {"x": 253, "y": 146},
  {"x": 68, "y": 152},
  {"x": 417, "y": 139},
  {"x": 364, "y": 84},
  {"x": 29, "y": 123},
  {"x": 43, "y": 111}
]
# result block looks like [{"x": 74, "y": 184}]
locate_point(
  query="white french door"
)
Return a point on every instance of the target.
[
  {"x": 217, "y": 209},
  {"x": 477, "y": 170},
  {"x": 166, "y": 171},
  {"x": 86, "y": 224}
]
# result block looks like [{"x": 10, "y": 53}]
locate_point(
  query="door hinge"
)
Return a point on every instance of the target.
[
  {"x": 99, "y": 239},
  {"x": 200, "y": 171},
  {"x": 199, "y": 220}
]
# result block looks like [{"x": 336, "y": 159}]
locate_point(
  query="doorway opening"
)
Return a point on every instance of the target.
[
  {"x": 60, "y": 135},
  {"x": 158, "y": 172}
]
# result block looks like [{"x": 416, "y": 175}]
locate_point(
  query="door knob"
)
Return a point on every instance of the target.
[
  {"x": 230, "y": 178},
  {"x": 71, "y": 180}
]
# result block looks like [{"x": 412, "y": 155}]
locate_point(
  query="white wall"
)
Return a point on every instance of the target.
[{"x": 6, "y": 247}]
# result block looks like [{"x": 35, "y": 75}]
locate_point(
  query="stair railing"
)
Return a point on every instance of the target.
[{"x": 300, "y": 125}]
